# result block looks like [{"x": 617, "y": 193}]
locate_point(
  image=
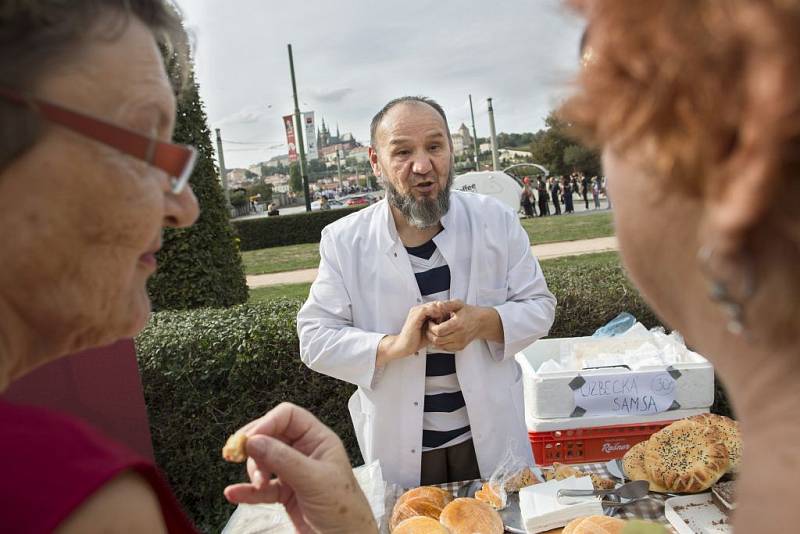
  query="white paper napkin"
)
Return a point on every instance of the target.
[{"x": 541, "y": 511}]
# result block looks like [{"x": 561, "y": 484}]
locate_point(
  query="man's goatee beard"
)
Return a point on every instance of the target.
[{"x": 422, "y": 213}]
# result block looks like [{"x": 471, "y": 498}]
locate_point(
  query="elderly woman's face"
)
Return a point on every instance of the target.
[{"x": 79, "y": 221}]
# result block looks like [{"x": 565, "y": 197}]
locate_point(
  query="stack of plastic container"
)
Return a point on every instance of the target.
[{"x": 591, "y": 399}]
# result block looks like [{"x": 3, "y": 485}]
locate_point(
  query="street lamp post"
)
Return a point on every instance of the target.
[{"x": 299, "y": 129}]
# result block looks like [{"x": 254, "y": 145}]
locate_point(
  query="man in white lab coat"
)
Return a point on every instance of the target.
[{"x": 422, "y": 300}]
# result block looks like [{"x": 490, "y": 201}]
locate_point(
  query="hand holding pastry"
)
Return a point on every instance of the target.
[{"x": 314, "y": 480}]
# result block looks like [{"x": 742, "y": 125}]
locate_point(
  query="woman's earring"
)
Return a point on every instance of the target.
[{"x": 731, "y": 300}]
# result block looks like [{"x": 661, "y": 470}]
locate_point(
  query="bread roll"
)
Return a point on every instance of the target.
[
  {"x": 686, "y": 457},
  {"x": 420, "y": 525},
  {"x": 432, "y": 493},
  {"x": 731, "y": 436},
  {"x": 418, "y": 506},
  {"x": 234, "y": 449},
  {"x": 595, "y": 524},
  {"x": 633, "y": 465},
  {"x": 470, "y": 516}
]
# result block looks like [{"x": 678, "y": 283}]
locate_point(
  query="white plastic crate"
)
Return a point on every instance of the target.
[{"x": 551, "y": 395}]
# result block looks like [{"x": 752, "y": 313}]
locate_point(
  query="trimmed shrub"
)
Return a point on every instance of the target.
[
  {"x": 206, "y": 372},
  {"x": 266, "y": 232},
  {"x": 201, "y": 265}
]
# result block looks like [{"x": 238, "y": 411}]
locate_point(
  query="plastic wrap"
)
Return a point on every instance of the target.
[
  {"x": 272, "y": 518},
  {"x": 511, "y": 474}
]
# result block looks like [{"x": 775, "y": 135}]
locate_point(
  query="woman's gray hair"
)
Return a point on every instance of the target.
[{"x": 36, "y": 34}]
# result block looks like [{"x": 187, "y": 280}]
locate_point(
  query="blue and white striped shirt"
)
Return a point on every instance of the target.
[{"x": 445, "y": 422}]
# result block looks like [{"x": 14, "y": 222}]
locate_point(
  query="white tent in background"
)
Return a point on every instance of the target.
[{"x": 496, "y": 184}]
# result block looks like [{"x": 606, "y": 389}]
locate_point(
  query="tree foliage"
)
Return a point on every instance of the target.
[
  {"x": 554, "y": 148},
  {"x": 295, "y": 178},
  {"x": 199, "y": 266}
]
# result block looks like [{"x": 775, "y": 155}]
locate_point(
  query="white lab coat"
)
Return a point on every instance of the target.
[{"x": 364, "y": 290}]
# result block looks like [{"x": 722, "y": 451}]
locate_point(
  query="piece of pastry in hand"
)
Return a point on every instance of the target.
[
  {"x": 436, "y": 495},
  {"x": 595, "y": 524},
  {"x": 686, "y": 457},
  {"x": 731, "y": 436},
  {"x": 420, "y": 525},
  {"x": 493, "y": 495},
  {"x": 633, "y": 465},
  {"x": 470, "y": 516},
  {"x": 521, "y": 479},
  {"x": 234, "y": 449},
  {"x": 417, "y": 506}
]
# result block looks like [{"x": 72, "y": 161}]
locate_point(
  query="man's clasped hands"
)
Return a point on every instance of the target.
[{"x": 444, "y": 325}]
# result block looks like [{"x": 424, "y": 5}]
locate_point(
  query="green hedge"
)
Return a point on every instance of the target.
[
  {"x": 205, "y": 372},
  {"x": 266, "y": 232},
  {"x": 199, "y": 266}
]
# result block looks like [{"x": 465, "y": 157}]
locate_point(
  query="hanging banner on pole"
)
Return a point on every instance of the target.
[
  {"x": 310, "y": 135},
  {"x": 288, "y": 123}
]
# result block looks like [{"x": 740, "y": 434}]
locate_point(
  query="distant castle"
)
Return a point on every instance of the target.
[{"x": 334, "y": 142}]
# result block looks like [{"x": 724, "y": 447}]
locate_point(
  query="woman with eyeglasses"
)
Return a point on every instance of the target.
[
  {"x": 696, "y": 107},
  {"x": 88, "y": 180}
]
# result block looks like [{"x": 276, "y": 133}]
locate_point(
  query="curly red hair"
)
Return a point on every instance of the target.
[{"x": 680, "y": 83}]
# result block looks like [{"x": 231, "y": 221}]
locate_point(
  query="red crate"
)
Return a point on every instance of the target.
[{"x": 581, "y": 445}]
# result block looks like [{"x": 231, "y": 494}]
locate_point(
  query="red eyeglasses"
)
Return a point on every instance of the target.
[{"x": 175, "y": 160}]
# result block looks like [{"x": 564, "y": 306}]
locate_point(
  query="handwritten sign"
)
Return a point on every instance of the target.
[{"x": 624, "y": 394}]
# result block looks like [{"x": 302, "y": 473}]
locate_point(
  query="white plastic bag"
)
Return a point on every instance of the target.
[{"x": 273, "y": 519}]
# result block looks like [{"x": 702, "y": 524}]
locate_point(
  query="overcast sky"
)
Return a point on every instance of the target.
[{"x": 352, "y": 56}]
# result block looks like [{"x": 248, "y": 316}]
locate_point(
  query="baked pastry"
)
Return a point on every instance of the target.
[
  {"x": 601, "y": 483},
  {"x": 470, "y": 516},
  {"x": 420, "y": 525},
  {"x": 521, "y": 479},
  {"x": 234, "y": 449},
  {"x": 493, "y": 495},
  {"x": 732, "y": 437},
  {"x": 595, "y": 524},
  {"x": 722, "y": 493},
  {"x": 437, "y": 495},
  {"x": 418, "y": 506},
  {"x": 633, "y": 465},
  {"x": 686, "y": 457},
  {"x": 561, "y": 471}
]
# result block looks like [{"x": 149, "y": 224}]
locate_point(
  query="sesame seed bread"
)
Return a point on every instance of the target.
[
  {"x": 730, "y": 433},
  {"x": 686, "y": 457},
  {"x": 633, "y": 465}
]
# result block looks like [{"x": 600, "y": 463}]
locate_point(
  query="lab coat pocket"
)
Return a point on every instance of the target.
[{"x": 492, "y": 297}]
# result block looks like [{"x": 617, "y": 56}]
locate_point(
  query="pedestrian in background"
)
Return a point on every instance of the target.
[
  {"x": 568, "y": 207},
  {"x": 555, "y": 192},
  {"x": 527, "y": 198},
  {"x": 541, "y": 188},
  {"x": 585, "y": 189}
]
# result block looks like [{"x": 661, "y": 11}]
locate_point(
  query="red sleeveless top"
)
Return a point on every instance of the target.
[{"x": 51, "y": 463}]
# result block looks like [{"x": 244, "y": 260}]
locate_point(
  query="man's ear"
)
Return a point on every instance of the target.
[{"x": 374, "y": 163}]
